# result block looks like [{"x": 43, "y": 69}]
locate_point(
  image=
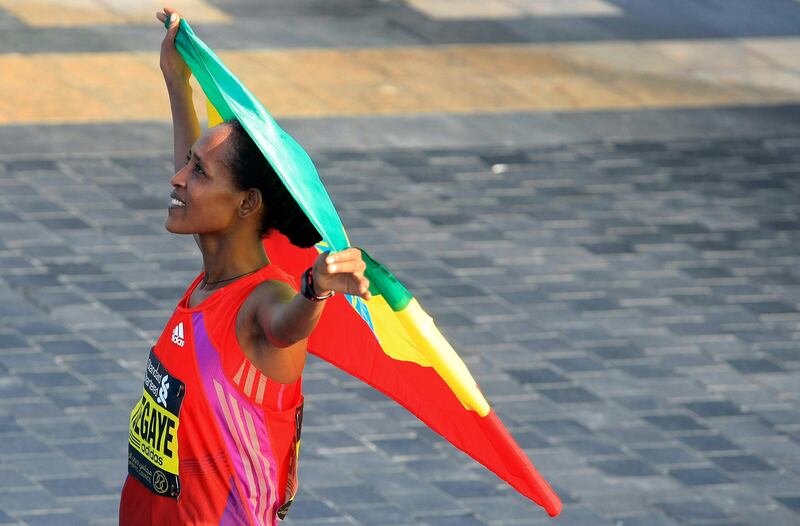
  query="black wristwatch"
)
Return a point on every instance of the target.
[{"x": 307, "y": 286}]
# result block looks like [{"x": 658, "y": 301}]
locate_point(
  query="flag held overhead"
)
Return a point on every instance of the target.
[{"x": 389, "y": 342}]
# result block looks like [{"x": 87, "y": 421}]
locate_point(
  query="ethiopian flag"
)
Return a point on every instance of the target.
[{"x": 388, "y": 342}]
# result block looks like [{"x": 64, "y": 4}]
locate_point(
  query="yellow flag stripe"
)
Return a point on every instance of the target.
[{"x": 411, "y": 335}]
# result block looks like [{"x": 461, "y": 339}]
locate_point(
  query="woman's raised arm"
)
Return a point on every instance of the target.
[{"x": 185, "y": 127}]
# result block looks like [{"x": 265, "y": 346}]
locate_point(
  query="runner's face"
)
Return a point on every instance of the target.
[{"x": 204, "y": 186}]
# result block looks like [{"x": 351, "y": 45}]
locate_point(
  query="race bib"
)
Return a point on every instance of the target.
[{"x": 153, "y": 441}]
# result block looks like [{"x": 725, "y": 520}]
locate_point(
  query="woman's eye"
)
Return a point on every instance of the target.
[{"x": 188, "y": 158}]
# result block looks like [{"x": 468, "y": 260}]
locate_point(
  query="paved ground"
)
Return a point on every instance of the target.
[{"x": 622, "y": 282}]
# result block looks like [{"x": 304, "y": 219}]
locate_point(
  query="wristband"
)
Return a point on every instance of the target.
[{"x": 307, "y": 286}]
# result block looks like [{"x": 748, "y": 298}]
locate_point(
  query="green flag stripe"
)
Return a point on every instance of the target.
[{"x": 382, "y": 282}]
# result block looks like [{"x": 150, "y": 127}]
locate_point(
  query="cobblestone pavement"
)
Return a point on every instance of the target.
[
  {"x": 622, "y": 284},
  {"x": 629, "y": 308}
]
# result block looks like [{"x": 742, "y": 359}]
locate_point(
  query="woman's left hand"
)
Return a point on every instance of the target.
[{"x": 341, "y": 272}]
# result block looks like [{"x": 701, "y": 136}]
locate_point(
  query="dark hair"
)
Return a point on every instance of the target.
[{"x": 252, "y": 170}]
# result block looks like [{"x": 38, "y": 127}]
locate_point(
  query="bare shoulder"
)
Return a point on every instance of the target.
[
  {"x": 271, "y": 291},
  {"x": 264, "y": 295}
]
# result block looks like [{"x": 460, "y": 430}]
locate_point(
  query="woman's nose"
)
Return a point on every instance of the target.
[{"x": 179, "y": 178}]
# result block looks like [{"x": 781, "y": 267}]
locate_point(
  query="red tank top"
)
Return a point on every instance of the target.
[{"x": 212, "y": 440}]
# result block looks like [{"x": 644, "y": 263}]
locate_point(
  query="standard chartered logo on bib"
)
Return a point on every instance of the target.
[{"x": 162, "y": 393}]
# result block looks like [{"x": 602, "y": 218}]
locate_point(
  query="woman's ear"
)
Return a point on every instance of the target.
[{"x": 250, "y": 203}]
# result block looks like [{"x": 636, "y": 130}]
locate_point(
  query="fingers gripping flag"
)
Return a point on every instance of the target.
[{"x": 388, "y": 342}]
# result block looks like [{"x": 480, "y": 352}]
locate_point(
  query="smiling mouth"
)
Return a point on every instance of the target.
[{"x": 175, "y": 203}]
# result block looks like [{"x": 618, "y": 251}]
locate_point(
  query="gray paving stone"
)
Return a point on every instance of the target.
[
  {"x": 40, "y": 328},
  {"x": 380, "y": 514},
  {"x": 401, "y": 447},
  {"x": 569, "y": 395},
  {"x": 649, "y": 519},
  {"x": 617, "y": 352},
  {"x": 577, "y": 364},
  {"x": 635, "y": 434},
  {"x": 11, "y": 388},
  {"x": 713, "y": 408},
  {"x": 665, "y": 455},
  {"x": 74, "y": 487},
  {"x": 624, "y": 468},
  {"x": 674, "y": 422},
  {"x": 351, "y": 496},
  {"x": 647, "y": 371},
  {"x": 741, "y": 463},
  {"x": 791, "y": 502},
  {"x": 700, "y": 476},
  {"x": 645, "y": 403},
  {"x": 61, "y": 430},
  {"x": 95, "y": 366},
  {"x": 780, "y": 417},
  {"x": 25, "y": 500},
  {"x": 592, "y": 447},
  {"x": 744, "y": 427},
  {"x": 78, "y": 400},
  {"x": 578, "y": 515},
  {"x": 453, "y": 520},
  {"x": 423, "y": 501},
  {"x": 467, "y": 488},
  {"x": 13, "y": 341},
  {"x": 69, "y": 347},
  {"x": 99, "y": 510},
  {"x": 93, "y": 450},
  {"x": 8, "y": 424},
  {"x": 54, "y": 519},
  {"x": 46, "y": 380},
  {"x": 778, "y": 516},
  {"x": 755, "y": 366},
  {"x": 31, "y": 407},
  {"x": 537, "y": 376},
  {"x": 506, "y": 509},
  {"x": 693, "y": 510}
]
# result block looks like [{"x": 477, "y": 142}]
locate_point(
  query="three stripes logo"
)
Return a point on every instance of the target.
[{"x": 177, "y": 335}]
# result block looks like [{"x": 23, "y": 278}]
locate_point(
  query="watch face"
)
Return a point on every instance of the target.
[{"x": 304, "y": 285}]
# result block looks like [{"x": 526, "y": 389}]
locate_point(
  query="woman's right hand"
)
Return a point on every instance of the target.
[{"x": 172, "y": 64}]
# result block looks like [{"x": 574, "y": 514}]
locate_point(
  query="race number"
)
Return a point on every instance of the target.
[{"x": 153, "y": 440}]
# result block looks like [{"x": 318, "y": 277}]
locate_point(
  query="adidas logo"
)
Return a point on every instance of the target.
[{"x": 177, "y": 334}]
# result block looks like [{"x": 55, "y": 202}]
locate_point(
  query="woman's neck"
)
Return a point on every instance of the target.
[{"x": 227, "y": 257}]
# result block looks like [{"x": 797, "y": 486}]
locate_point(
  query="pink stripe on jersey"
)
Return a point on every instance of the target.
[
  {"x": 280, "y": 397},
  {"x": 244, "y": 431},
  {"x": 237, "y": 439},
  {"x": 250, "y": 456},
  {"x": 238, "y": 376},
  {"x": 262, "y": 384},
  {"x": 252, "y": 434},
  {"x": 248, "y": 384}
]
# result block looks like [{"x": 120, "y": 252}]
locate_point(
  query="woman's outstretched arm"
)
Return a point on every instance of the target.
[
  {"x": 185, "y": 127},
  {"x": 286, "y": 319},
  {"x": 341, "y": 272}
]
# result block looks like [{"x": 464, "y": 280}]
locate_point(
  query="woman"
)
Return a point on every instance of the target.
[{"x": 214, "y": 438}]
